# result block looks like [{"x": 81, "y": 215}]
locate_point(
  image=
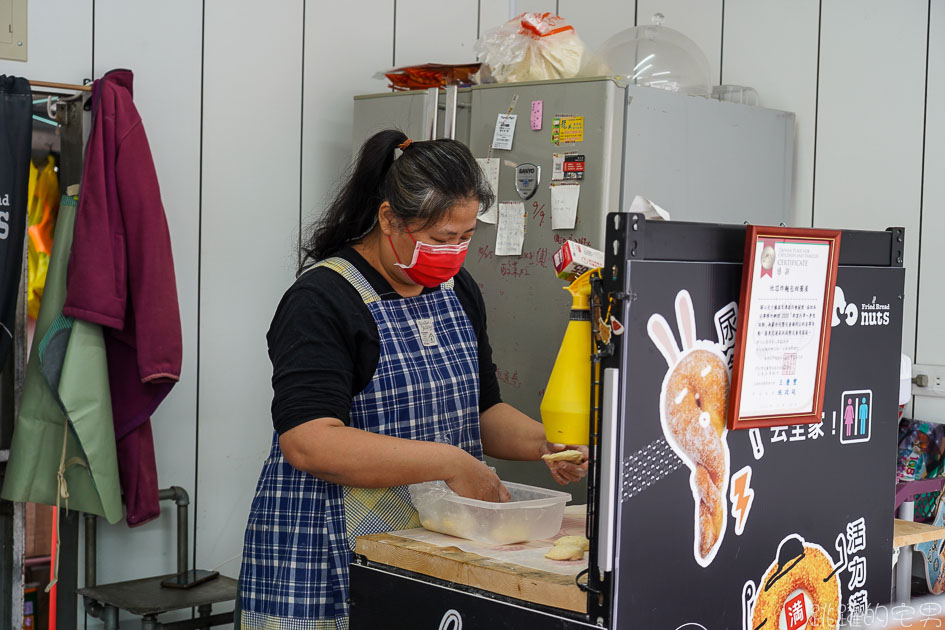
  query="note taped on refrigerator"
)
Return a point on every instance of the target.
[
  {"x": 537, "y": 107},
  {"x": 490, "y": 168},
  {"x": 567, "y": 129},
  {"x": 564, "y": 203},
  {"x": 567, "y": 166},
  {"x": 510, "y": 232},
  {"x": 504, "y": 131}
]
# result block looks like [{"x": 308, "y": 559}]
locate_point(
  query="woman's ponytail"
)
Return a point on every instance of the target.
[
  {"x": 353, "y": 211},
  {"x": 422, "y": 186}
]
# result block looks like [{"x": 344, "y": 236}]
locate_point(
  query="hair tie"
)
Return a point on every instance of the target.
[{"x": 403, "y": 145}]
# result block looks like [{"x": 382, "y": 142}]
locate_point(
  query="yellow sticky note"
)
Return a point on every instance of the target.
[{"x": 571, "y": 129}]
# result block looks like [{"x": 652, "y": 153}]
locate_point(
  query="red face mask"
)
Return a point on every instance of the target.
[{"x": 432, "y": 265}]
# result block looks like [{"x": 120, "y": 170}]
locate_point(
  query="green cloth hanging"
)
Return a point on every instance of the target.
[{"x": 51, "y": 459}]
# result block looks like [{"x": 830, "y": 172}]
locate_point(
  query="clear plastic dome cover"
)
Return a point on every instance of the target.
[{"x": 653, "y": 56}]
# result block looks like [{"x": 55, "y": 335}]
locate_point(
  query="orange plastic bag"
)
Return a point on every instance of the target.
[{"x": 431, "y": 75}]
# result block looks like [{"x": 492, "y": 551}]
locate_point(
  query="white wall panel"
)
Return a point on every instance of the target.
[
  {"x": 251, "y": 135},
  {"x": 492, "y": 13},
  {"x": 167, "y": 94},
  {"x": 431, "y": 31},
  {"x": 596, "y": 21},
  {"x": 59, "y": 47},
  {"x": 699, "y": 20},
  {"x": 772, "y": 46},
  {"x": 328, "y": 114},
  {"x": 869, "y": 136},
  {"x": 868, "y": 155},
  {"x": 931, "y": 346}
]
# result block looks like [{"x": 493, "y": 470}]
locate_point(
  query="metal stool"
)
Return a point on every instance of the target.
[{"x": 146, "y": 597}]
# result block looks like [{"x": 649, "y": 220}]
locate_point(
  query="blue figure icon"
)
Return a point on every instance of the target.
[{"x": 864, "y": 414}]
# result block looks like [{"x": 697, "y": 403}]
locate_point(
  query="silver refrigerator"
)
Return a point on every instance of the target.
[{"x": 699, "y": 159}]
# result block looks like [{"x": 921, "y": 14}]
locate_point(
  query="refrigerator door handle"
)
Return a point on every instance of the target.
[
  {"x": 449, "y": 123},
  {"x": 430, "y": 102}
]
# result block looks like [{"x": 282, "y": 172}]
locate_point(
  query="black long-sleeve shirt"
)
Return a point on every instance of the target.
[{"x": 324, "y": 345}]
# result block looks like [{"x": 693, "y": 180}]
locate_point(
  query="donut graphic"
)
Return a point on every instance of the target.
[
  {"x": 693, "y": 413},
  {"x": 800, "y": 590}
]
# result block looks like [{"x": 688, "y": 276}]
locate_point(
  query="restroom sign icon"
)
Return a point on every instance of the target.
[{"x": 856, "y": 416}]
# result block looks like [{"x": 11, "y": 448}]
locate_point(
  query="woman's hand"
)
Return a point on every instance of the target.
[
  {"x": 565, "y": 472},
  {"x": 475, "y": 480}
]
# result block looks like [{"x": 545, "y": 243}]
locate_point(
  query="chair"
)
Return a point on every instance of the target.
[{"x": 146, "y": 597}]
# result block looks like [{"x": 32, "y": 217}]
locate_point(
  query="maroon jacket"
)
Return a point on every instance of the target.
[{"x": 121, "y": 276}]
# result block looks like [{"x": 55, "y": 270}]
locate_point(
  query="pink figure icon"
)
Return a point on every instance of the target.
[{"x": 848, "y": 416}]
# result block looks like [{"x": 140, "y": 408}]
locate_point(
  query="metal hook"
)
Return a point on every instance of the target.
[{"x": 51, "y": 107}]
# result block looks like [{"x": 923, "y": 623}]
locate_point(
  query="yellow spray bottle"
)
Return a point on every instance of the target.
[{"x": 565, "y": 407}]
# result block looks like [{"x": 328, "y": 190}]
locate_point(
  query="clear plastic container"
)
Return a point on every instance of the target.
[
  {"x": 531, "y": 514},
  {"x": 653, "y": 56}
]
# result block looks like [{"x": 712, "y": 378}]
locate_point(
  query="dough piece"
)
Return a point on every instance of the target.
[
  {"x": 565, "y": 552},
  {"x": 452, "y": 526},
  {"x": 574, "y": 541},
  {"x": 564, "y": 456},
  {"x": 510, "y": 533}
]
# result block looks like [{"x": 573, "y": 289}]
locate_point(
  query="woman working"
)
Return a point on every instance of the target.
[{"x": 382, "y": 377}]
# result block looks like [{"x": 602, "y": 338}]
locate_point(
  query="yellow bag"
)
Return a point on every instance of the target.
[{"x": 42, "y": 213}]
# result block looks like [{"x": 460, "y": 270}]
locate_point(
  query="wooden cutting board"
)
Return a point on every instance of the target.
[{"x": 455, "y": 565}]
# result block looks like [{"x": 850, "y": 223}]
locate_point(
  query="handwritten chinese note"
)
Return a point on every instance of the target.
[
  {"x": 564, "y": 204},
  {"x": 490, "y": 168},
  {"x": 510, "y": 232},
  {"x": 536, "y": 115}
]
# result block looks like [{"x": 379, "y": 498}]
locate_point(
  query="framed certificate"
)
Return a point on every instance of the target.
[{"x": 783, "y": 335}]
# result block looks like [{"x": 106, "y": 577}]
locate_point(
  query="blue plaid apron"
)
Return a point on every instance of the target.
[{"x": 301, "y": 530}]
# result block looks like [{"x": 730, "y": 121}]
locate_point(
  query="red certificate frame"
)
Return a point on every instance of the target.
[{"x": 763, "y": 311}]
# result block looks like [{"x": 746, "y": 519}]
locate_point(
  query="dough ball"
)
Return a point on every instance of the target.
[
  {"x": 452, "y": 526},
  {"x": 574, "y": 541},
  {"x": 565, "y": 552},
  {"x": 508, "y": 533},
  {"x": 564, "y": 456}
]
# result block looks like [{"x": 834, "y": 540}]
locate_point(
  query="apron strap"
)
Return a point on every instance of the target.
[
  {"x": 62, "y": 494},
  {"x": 354, "y": 277},
  {"x": 350, "y": 273}
]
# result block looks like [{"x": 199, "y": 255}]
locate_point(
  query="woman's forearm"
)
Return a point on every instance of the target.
[
  {"x": 507, "y": 433},
  {"x": 328, "y": 449}
]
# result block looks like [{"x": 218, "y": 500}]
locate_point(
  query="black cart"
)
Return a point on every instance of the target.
[{"x": 806, "y": 533}]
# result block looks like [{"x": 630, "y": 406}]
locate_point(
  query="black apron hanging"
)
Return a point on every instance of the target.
[{"x": 16, "y": 128}]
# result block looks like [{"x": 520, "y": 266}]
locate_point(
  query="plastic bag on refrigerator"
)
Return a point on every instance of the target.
[{"x": 532, "y": 47}]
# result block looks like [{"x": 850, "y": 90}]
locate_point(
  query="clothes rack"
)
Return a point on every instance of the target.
[{"x": 61, "y": 86}]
